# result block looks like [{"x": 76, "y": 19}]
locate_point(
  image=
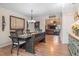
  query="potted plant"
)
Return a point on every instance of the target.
[{"x": 75, "y": 28}]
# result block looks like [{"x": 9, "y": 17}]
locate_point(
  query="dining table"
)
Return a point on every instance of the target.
[
  {"x": 31, "y": 40},
  {"x": 29, "y": 44}
]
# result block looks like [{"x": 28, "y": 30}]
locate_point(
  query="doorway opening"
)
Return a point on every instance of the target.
[{"x": 53, "y": 27}]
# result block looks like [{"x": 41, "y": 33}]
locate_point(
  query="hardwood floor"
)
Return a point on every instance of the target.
[{"x": 52, "y": 47}]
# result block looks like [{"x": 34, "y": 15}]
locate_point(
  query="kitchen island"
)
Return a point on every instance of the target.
[{"x": 35, "y": 38}]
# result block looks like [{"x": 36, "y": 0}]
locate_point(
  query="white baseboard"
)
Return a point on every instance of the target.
[{"x": 5, "y": 44}]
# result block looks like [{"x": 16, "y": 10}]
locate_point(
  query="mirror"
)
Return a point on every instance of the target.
[{"x": 16, "y": 23}]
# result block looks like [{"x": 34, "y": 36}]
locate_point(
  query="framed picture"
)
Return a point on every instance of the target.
[{"x": 16, "y": 23}]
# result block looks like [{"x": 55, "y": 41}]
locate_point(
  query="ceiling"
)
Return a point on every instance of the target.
[{"x": 38, "y": 8}]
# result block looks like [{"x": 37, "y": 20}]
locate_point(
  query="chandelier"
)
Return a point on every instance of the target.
[{"x": 31, "y": 20}]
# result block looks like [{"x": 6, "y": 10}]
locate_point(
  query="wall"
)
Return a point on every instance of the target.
[
  {"x": 67, "y": 20},
  {"x": 4, "y": 35}
]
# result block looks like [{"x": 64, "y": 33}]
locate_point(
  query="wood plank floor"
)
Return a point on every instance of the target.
[{"x": 52, "y": 47}]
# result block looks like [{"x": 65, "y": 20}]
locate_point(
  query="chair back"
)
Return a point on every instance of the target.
[
  {"x": 28, "y": 31},
  {"x": 19, "y": 31},
  {"x": 14, "y": 37}
]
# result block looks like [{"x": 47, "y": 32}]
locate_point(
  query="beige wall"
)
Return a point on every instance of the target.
[{"x": 4, "y": 35}]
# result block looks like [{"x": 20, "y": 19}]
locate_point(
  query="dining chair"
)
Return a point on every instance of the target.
[
  {"x": 15, "y": 42},
  {"x": 28, "y": 31},
  {"x": 19, "y": 31}
]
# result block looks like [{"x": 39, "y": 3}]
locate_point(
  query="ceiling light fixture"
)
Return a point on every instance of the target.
[{"x": 31, "y": 20}]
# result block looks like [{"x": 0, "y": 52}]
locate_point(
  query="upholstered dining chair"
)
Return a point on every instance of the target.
[
  {"x": 15, "y": 42},
  {"x": 19, "y": 31}
]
